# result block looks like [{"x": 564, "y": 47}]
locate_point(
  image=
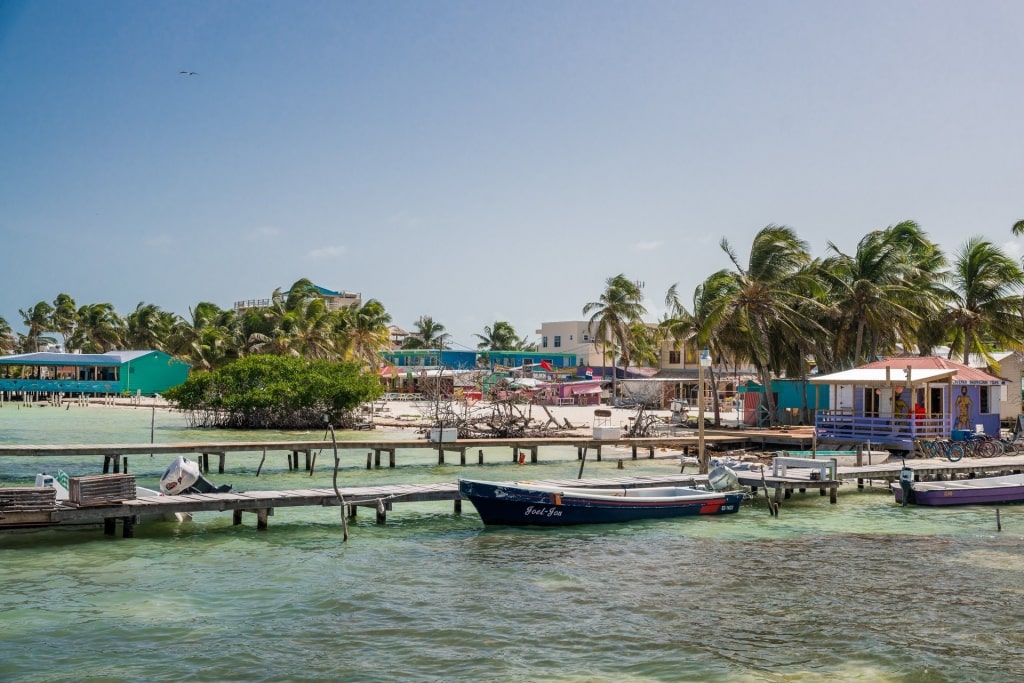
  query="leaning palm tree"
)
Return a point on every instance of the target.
[
  {"x": 365, "y": 335},
  {"x": 611, "y": 316},
  {"x": 772, "y": 298},
  {"x": 704, "y": 328},
  {"x": 881, "y": 291},
  {"x": 100, "y": 329},
  {"x": 1018, "y": 228},
  {"x": 37, "y": 320},
  {"x": 7, "y": 340},
  {"x": 147, "y": 327},
  {"x": 64, "y": 317},
  {"x": 986, "y": 312}
]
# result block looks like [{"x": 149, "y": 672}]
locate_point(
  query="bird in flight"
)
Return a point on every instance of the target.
[{"x": 188, "y": 73}]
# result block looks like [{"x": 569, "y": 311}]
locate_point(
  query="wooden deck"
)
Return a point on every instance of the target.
[
  {"x": 115, "y": 456},
  {"x": 33, "y": 513},
  {"x": 262, "y": 503}
]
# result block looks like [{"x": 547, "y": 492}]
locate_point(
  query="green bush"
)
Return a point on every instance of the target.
[{"x": 275, "y": 392}]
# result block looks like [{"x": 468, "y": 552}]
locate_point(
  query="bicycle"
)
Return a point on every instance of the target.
[
  {"x": 952, "y": 450},
  {"x": 980, "y": 445}
]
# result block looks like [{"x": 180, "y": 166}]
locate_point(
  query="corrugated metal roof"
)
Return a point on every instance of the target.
[
  {"x": 84, "y": 359},
  {"x": 878, "y": 376},
  {"x": 922, "y": 369}
]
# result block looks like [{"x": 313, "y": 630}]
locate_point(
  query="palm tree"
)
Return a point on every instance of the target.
[
  {"x": 37, "y": 320},
  {"x": 147, "y": 327},
  {"x": 987, "y": 308},
  {"x": 617, "y": 308},
  {"x": 881, "y": 291},
  {"x": 1018, "y": 227},
  {"x": 210, "y": 339},
  {"x": 100, "y": 329},
  {"x": 704, "y": 328},
  {"x": 7, "y": 341},
  {"x": 428, "y": 335},
  {"x": 366, "y": 333},
  {"x": 501, "y": 337},
  {"x": 64, "y": 317},
  {"x": 772, "y": 299}
]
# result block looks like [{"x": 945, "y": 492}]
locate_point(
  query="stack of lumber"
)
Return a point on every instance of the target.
[
  {"x": 25, "y": 498},
  {"x": 101, "y": 489}
]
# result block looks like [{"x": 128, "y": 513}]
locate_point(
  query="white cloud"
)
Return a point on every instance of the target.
[{"x": 326, "y": 252}]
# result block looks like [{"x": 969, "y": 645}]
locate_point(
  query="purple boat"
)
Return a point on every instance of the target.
[
  {"x": 1008, "y": 489},
  {"x": 520, "y": 503}
]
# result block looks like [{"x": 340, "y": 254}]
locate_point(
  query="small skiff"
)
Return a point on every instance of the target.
[{"x": 523, "y": 503}]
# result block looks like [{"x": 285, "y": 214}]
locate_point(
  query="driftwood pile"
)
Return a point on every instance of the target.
[{"x": 503, "y": 419}]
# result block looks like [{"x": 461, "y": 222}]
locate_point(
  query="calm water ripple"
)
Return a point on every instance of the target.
[{"x": 860, "y": 591}]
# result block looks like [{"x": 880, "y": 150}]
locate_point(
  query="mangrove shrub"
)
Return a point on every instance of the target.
[{"x": 275, "y": 392}]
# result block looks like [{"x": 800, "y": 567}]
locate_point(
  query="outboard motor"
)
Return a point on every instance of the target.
[
  {"x": 183, "y": 476},
  {"x": 906, "y": 479},
  {"x": 722, "y": 478}
]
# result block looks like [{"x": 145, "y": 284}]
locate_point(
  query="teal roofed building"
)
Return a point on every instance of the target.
[{"x": 116, "y": 373}]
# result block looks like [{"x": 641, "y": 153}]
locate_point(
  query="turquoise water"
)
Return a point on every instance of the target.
[{"x": 859, "y": 591}]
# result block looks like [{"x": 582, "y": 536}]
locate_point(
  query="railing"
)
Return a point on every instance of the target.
[
  {"x": 848, "y": 426},
  {"x": 66, "y": 386}
]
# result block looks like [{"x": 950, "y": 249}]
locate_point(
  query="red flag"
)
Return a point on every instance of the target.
[
  {"x": 590, "y": 373},
  {"x": 546, "y": 365}
]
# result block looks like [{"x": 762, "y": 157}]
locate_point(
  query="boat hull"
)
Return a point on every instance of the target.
[
  {"x": 981, "y": 491},
  {"x": 510, "y": 504}
]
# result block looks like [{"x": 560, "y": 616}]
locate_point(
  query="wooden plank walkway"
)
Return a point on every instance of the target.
[
  {"x": 799, "y": 479},
  {"x": 263, "y": 502},
  {"x": 115, "y": 456}
]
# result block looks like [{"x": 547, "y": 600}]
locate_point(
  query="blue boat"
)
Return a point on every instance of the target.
[{"x": 523, "y": 503}]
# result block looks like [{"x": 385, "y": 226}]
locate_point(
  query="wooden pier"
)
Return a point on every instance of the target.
[
  {"x": 115, "y": 456},
  {"x": 23, "y": 514},
  {"x": 28, "y": 507}
]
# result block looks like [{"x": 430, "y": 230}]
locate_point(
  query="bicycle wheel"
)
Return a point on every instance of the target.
[
  {"x": 927, "y": 448},
  {"x": 984, "y": 449},
  {"x": 1010, "y": 447},
  {"x": 954, "y": 452}
]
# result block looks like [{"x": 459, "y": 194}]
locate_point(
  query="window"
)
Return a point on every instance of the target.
[
  {"x": 586, "y": 337},
  {"x": 570, "y": 337},
  {"x": 544, "y": 342},
  {"x": 674, "y": 357},
  {"x": 558, "y": 340},
  {"x": 983, "y": 405}
]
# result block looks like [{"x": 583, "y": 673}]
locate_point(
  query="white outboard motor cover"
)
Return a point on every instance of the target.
[
  {"x": 180, "y": 474},
  {"x": 722, "y": 478}
]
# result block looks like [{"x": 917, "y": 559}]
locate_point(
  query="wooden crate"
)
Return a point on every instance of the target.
[
  {"x": 27, "y": 498},
  {"x": 99, "y": 489}
]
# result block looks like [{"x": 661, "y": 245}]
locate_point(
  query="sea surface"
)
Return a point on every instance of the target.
[{"x": 860, "y": 591}]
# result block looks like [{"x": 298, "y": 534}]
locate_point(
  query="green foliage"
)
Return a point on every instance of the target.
[{"x": 275, "y": 392}]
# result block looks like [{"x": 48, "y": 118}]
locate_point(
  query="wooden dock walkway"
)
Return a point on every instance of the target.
[
  {"x": 115, "y": 456},
  {"x": 263, "y": 502},
  {"x": 382, "y": 498}
]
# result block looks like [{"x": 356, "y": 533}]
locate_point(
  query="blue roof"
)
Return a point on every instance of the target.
[{"x": 49, "y": 358}]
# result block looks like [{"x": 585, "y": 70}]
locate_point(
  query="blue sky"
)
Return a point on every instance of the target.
[{"x": 483, "y": 161}]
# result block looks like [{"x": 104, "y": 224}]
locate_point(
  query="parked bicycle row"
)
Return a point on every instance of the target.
[{"x": 971, "y": 444}]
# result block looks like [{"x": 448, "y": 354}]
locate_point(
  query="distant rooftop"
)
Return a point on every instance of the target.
[{"x": 335, "y": 300}]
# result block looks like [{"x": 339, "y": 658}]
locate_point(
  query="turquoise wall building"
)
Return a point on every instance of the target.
[{"x": 92, "y": 374}]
